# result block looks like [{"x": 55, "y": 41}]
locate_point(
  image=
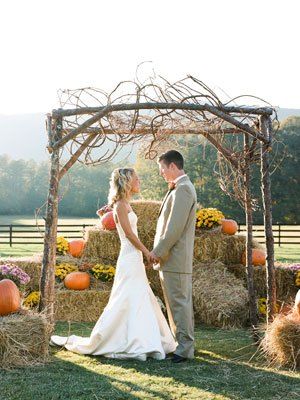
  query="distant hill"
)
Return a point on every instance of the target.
[
  {"x": 284, "y": 113},
  {"x": 24, "y": 135}
]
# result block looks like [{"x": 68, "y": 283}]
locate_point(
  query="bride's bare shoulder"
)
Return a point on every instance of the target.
[{"x": 121, "y": 205}]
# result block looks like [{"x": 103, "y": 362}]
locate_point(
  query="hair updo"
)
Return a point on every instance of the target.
[{"x": 120, "y": 185}]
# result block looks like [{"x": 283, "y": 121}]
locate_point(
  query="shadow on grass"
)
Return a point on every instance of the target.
[
  {"x": 220, "y": 370},
  {"x": 215, "y": 376}
]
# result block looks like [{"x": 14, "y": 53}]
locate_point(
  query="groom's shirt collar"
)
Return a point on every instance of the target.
[{"x": 178, "y": 178}]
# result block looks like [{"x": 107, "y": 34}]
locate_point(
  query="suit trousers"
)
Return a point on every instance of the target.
[{"x": 178, "y": 294}]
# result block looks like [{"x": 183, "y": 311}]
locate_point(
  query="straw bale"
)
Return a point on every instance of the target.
[
  {"x": 220, "y": 299},
  {"x": 105, "y": 245},
  {"x": 101, "y": 245},
  {"x": 68, "y": 259},
  {"x": 147, "y": 213},
  {"x": 281, "y": 343},
  {"x": 31, "y": 265},
  {"x": 80, "y": 305},
  {"x": 285, "y": 280},
  {"x": 24, "y": 339},
  {"x": 154, "y": 281},
  {"x": 227, "y": 249}
]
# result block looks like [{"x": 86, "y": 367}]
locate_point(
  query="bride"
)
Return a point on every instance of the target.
[{"x": 132, "y": 324}]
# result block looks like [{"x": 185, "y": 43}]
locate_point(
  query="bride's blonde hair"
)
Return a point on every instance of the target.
[{"x": 120, "y": 185}]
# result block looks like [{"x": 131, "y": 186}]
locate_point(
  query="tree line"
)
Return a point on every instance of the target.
[{"x": 24, "y": 184}]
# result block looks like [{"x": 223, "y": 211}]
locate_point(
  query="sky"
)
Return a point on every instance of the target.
[{"x": 241, "y": 47}]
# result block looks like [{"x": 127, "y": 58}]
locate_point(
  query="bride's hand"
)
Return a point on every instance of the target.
[{"x": 148, "y": 258}]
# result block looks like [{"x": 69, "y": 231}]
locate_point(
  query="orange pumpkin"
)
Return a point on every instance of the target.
[
  {"x": 10, "y": 300},
  {"x": 77, "y": 281},
  {"x": 258, "y": 257},
  {"x": 76, "y": 247},
  {"x": 229, "y": 226},
  {"x": 108, "y": 221}
]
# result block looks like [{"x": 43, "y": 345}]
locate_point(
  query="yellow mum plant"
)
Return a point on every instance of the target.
[
  {"x": 208, "y": 218},
  {"x": 262, "y": 306},
  {"x": 62, "y": 270},
  {"x": 103, "y": 272},
  {"x": 297, "y": 278},
  {"x": 62, "y": 245},
  {"x": 32, "y": 300}
]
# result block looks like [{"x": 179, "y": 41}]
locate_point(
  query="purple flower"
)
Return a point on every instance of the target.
[
  {"x": 294, "y": 267},
  {"x": 16, "y": 274}
]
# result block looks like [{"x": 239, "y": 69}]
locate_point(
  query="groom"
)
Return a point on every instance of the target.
[{"x": 173, "y": 251}]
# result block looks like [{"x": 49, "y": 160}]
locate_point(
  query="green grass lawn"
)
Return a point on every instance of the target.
[
  {"x": 287, "y": 253},
  {"x": 225, "y": 367}
]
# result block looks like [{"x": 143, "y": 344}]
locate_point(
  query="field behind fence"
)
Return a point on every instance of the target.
[
  {"x": 20, "y": 236},
  {"x": 27, "y": 232}
]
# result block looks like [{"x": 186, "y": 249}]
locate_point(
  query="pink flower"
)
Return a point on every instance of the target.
[{"x": 16, "y": 274}]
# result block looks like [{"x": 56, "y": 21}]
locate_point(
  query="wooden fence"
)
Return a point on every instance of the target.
[{"x": 33, "y": 234}]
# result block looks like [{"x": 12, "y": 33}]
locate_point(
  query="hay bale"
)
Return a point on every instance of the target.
[
  {"x": 31, "y": 265},
  {"x": 220, "y": 299},
  {"x": 24, "y": 340},
  {"x": 147, "y": 212},
  {"x": 154, "y": 281},
  {"x": 80, "y": 305},
  {"x": 101, "y": 245},
  {"x": 68, "y": 259},
  {"x": 281, "y": 343},
  {"x": 285, "y": 280},
  {"x": 105, "y": 245},
  {"x": 218, "y": 246}
]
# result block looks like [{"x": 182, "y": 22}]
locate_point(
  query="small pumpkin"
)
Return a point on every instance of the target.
[
  {"x": 76, "y": 247},
  {"x": 258, "y": 257},
  {"x": 229, "y": 226},
  {"x": 10, "y": 299},
  {"x": 77, "y": 280},
  {"x": 108, "y": 221}
]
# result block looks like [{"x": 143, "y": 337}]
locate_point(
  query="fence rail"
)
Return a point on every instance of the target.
[
  {"x": 32, "y": 234},
  {"x": 21, "y": 234}
]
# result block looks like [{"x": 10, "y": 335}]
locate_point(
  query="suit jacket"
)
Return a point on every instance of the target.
[{"x": 175, "y": 231}]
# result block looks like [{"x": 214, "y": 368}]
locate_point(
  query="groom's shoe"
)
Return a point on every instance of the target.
[
  {"x": 178, "y": 359},
  {"x": 169, "y": 356}
]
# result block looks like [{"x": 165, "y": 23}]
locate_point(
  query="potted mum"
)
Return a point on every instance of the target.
[{"x": 209, "y": 220}]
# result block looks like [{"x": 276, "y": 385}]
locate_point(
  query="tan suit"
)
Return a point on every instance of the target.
[{"x": 174, "y": 245}]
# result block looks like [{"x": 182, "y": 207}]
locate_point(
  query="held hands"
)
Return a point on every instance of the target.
[{"x": 151, "y": 259}]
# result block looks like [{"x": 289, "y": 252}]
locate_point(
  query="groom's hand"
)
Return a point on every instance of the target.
[{"x": 153, "y": 257}]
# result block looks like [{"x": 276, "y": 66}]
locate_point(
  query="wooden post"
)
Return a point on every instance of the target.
[
  {"x": 266, "y": 130},
  {"x": 249, "y": 239},
  {"x": 49, "y": 258}
]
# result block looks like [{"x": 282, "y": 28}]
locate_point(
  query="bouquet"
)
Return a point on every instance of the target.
[{"x": 103, "y": 210}]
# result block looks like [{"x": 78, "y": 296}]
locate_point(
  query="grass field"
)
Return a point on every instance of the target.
[{"x": 225, "y": 367}]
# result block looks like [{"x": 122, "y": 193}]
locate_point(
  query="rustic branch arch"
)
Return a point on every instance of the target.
[{"x": 134, "y": 112}]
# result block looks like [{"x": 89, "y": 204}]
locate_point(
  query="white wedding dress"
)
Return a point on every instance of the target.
[{"x": 132, "y": 324}]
